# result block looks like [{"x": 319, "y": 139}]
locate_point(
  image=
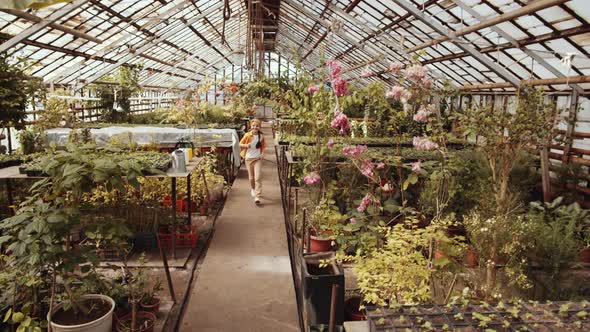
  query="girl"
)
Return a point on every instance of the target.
[{"x": 253, "y": 146}]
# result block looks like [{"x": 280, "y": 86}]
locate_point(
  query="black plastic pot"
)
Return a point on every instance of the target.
[
  {"x": 145, "y": 241},
  {"x": 317, "y": 289}
]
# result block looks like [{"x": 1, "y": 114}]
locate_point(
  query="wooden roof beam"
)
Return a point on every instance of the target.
[
  {"x": 65, "y": 10},
  {"x": 523, "y": 42},
  {"x": 530, "y": 8},
  {"x": 33, "y": 18},
  {"x": 548, "y": 81}
]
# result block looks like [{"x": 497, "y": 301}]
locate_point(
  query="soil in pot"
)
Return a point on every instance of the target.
[
  {"x": 316, "y": 270},
  {"x": 152, "y": 306},
  {"x": 145, "y": 322},
  {"x": 99, "y": 308}
]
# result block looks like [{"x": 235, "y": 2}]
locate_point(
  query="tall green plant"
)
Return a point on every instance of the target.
[
  {"x": 503, "y": 135},
  {"x": 39, "y": 235},
  {"x": 17, "y": 89}
]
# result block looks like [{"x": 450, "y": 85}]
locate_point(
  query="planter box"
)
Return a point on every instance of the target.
[
  {"x": 317, "y": 288},
  {"x": 186, "y": 237}
]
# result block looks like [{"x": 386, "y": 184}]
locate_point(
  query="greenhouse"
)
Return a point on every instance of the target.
[{"x": 294, "y": 165}]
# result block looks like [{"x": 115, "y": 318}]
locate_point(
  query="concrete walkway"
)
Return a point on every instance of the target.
[{"x": 245, "y": 282}]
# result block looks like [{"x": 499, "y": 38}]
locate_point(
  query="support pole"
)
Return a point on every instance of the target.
[
  {"x": 545, "y": 178},
  {"x": 189, "y": 200},
  {"x": 303, "y": 228},
  {"x": 173, "y": 217},
  {"x": 167, "y": 270},
  {"x": 9, "y": 136}
]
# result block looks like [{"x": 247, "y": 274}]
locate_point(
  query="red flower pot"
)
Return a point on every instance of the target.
[
  {"x": 320, "y": 244},
  {"x": 585, "y": 255},
  {"x": 471, "y": 258}
]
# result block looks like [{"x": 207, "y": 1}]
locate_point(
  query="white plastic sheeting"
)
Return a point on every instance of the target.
[{"x": 147, "y": 135}]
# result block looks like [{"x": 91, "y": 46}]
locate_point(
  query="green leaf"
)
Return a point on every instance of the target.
[
  {"x": 18, "y": 317},
  {"x": 26, "y": 322},
  {"x": 7, "y": 316},
  {"x": 4, "y": 238}
]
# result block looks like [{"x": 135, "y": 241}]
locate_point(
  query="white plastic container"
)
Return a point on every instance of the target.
[{"x": 103, "y": 324}]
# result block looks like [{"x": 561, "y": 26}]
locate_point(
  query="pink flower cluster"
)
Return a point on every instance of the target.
[
  {"x": 416, "y": 72},
  {"x": 353, "y": 150},
  {"x": 330, "y": 143},
  {"x": 312, "y": 179},
  {"x": 335, "y": 69},
  {"x": 340, "y": 121},
  {"x": 339, "y": 85},
  {"x": 424, "y": 144},
  {"x": 396, "y": 67},
  {"x": 422, "y": 115},
  {"x": 313, "y": 89},
  {"x": 380, "y": 166},
  {"x": 367, "y": 168},
  {"x": 417, "y": 167},
  {"x": 365, "y": 202},
  {"x": 399, "y": 93}
]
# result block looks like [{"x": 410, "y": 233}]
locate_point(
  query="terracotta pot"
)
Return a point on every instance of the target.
[
  {"x": 148, "y": 316},
  {"x": 153, "y": 307},
  {"x": 351, "y": 307},
  {"x": 471, "y": 258},
  {"x": 318, "y": 244},
  {"x": 439, "y": 254},
  {"x": 585, "y": 255}
]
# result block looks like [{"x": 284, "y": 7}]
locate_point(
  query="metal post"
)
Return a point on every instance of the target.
[
  {"x": 188, "y": 199},
  {"x": 173, "y": 217},
  {"x": 167, "y": 270},
  {"x": 9, "y": 140},
  {"x": 303, "y": 227}
]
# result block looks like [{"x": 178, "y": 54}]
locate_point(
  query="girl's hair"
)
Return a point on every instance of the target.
[{"x": 255, "y": 121}]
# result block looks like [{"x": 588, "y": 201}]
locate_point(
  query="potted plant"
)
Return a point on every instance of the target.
[
  {"x": 323, "y": 220},
  {"x": 400, "y": 271},
  {"x": 504, "y": 135},
  {"x": 150, "y": 302},
  {"x": 38, "y": 236},
  {"x": 136, "y": 320}
]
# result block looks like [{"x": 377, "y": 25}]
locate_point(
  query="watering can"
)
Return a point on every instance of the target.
[
  {"x": 179, "y": 161},
  {"x": 187, "y": 147}
]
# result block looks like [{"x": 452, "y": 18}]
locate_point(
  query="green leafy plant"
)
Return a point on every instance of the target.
[
  {"x": 556, "y": 228},
  {"x": 399, "y": 273},
  {"x": 17, "y": 89},
  {"x": 39, "y": 234}
]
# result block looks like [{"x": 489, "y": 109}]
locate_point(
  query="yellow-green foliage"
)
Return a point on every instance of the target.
[
  {"x": 399, "y": 273},
  {"x": 56, "y": 110}
]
